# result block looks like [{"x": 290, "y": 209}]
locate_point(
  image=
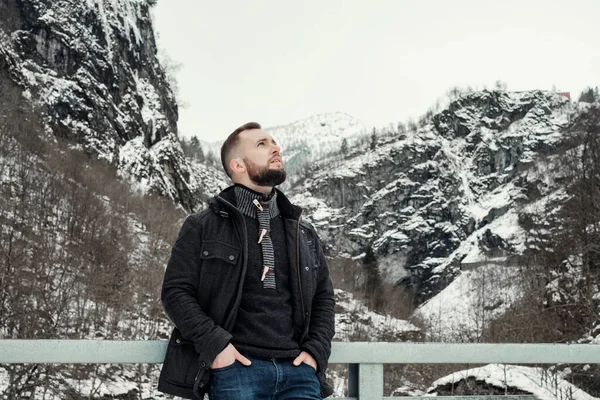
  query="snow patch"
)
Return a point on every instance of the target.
[
  {"x": 540, "y": 382},
  {"x": 353, "y": 317},
  {"x": 463, "y": 309}
]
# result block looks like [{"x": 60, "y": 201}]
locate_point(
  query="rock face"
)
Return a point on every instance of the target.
[
  {"x": 444, "y": 197},
  {"x": 92, "y": 69}
]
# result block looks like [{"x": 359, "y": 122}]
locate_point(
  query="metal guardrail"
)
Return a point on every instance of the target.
[{"x": 365, "y": 359}]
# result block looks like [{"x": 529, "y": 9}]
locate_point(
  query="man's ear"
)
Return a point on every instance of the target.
[{"x": 237, "y": 165}]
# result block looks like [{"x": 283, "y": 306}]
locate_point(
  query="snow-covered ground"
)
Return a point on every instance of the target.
[
  {"x": 354, "y": 318},
  {"x": 465, "y": 307},
  {"x": 540, "y": 382}
]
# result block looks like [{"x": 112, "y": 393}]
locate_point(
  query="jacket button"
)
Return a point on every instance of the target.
[
  {"x": 231, "y": 257},
  {"x": 201, "y": 384},
  {"x": 306, "y": 268},
  {"x": 306, "y": 314},
  {"x": 203, "y": 364},
  {"x": 303, "y": 231},
  {"x": 178, "y": 341},
  {"x": 205, "y": 253}
]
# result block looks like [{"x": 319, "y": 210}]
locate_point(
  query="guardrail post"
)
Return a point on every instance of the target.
[
  {"x": 370, "y": 381},
  {"x": 352, "y": 380}
]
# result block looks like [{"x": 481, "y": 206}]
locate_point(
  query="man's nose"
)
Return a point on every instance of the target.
[{"x": 275, "y": 149}]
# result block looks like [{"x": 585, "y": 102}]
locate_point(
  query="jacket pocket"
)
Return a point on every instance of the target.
[
  {"x": 181, "y": 362},
  {"x": 216, "y": 255}
]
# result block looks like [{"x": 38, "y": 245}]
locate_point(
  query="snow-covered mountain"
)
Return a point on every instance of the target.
[
  {"x": 92, "y": 67},
  {"x": 307, "y": 140},
  {"x": 487, "y": 214},
  {"x": 313, "y": 138},
  {"x": 444, "y": 197}
]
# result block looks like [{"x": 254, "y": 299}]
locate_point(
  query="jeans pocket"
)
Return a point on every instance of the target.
[
  {"x": 225, "y": 368},
  {"x": 309, "y": 366}
]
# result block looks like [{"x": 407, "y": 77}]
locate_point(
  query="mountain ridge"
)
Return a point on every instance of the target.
[{"x": 423, "y": 194}]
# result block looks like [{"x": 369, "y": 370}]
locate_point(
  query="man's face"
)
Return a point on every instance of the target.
[{"x": 261, "y": 158}]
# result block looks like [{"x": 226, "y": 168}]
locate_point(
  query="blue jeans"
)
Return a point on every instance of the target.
[{"x": 275, "y": 379}]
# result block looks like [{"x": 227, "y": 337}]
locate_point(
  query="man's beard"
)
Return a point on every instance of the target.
[{"x": 265, "y": 176}]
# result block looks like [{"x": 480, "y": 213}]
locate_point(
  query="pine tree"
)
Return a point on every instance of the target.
[
  {"x": 194, "y": 141},
  {"x": 401, "y": 128},
  {"x": 501, "y": 86},
  {"x": 589, "y": 95},
  {"x": 412, "y": 125},
  {"x": 344, "y": 148},
  {"x": 373, "y": 280},
  {"x": 373, "y": 143},
  {"x": 196, "y": 148}
]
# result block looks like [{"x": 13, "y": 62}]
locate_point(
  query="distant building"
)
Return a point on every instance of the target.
[{"x": 566, "y": 94}]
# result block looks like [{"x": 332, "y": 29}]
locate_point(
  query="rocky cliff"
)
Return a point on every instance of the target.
[
  {"x": 92, "y": 69},
  {"x": 444, "y": 197}
]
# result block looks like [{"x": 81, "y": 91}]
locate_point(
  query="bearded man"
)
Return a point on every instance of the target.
[{"x": 247, "y": 287}]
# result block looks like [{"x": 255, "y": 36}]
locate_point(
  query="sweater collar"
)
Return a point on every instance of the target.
[
  {"x": 249, "y": 201},
  {"x": 221, "y": 203}
]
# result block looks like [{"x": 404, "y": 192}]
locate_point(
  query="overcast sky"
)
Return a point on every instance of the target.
[{"x": 381, "y": 61}]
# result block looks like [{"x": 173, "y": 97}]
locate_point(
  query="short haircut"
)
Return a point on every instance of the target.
[{"x": 232, "y": 141}]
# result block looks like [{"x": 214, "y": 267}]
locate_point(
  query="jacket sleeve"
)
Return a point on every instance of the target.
[
  {"x": 178, "y": 296},
  {"x": 322, "y": 320}
]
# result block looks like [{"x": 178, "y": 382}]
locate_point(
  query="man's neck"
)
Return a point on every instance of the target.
[{"x": 267, "y": 190}]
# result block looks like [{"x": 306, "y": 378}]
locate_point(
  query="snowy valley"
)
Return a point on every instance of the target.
[{"x": 478, "y": 224}]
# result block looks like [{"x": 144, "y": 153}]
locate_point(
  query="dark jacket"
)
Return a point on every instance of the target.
[{"x": 202, "y": 290}]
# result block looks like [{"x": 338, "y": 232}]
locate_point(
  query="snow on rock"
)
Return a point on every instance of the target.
[
  {"x": 208, "y": 180},
  {"x": 326, "y": 219},
  {"x": 538, "y": 382},
  {"x": 4, "y": 380},
  {"x": 91, "y": 67},
  {"x": 443, "y": 197}
]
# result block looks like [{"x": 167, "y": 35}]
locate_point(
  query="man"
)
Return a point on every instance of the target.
[{"x": 248, "y": 289}]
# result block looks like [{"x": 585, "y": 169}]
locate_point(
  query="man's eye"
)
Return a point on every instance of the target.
[{"x": 261, "y": 144}]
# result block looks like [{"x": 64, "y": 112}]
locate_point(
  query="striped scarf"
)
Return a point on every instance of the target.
[{"x": 263, "y": 208}]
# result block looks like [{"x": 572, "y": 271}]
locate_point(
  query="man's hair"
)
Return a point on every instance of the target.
[{"x": 232, "y": 141}]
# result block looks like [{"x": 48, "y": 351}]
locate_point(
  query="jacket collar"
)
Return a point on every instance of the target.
[{"x": 286, "y": 208}]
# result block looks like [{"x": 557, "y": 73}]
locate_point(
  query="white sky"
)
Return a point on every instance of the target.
[{"x": 381, "y": 61}]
